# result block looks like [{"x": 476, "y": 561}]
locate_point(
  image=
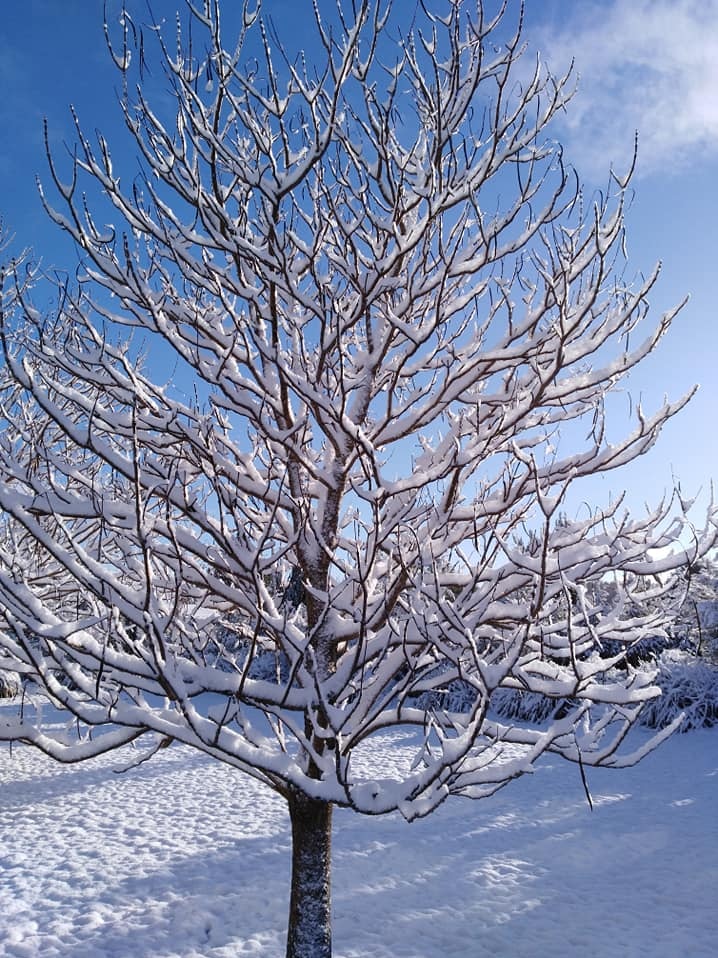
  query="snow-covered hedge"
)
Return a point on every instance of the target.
[{"x": 689, "y": 684}]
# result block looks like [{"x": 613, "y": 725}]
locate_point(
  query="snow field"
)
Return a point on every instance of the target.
[{"x": 185, "y": 858}]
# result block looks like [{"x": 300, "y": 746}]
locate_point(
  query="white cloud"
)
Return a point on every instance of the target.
[{"x": 645, "y": 65}]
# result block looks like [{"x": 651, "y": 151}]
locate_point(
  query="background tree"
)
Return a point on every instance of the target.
[{"x": 385, "y": 294}]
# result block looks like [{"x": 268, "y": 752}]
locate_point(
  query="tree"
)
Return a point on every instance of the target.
[{"x": 386, "y": 295}]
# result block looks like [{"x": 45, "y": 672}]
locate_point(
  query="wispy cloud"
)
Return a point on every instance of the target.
[{"x": 645, "y": 65}]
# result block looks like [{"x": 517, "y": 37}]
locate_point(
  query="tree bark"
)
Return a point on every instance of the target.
[{"x": 309, "y": 934}]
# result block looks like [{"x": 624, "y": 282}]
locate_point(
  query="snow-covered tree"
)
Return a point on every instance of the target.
[{"x": 389, "y": 312}]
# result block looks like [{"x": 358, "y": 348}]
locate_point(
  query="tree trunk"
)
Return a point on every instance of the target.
[{"x": 309, "y": 934}]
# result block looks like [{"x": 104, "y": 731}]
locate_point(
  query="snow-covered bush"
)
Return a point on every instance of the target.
[
  {"x": 267, "y": 665},
  {"x": 689, "y": 685},
  {"x": 9, "y": 684},
  {"x": 513, "y": 704},
  {"x": 525, "y": 706},
  {"x": 707, "y": 616},
  {"x": 646, "y": 650},
  {"x": 458, "y": 696}
]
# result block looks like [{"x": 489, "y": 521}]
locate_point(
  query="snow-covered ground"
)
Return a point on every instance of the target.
[{"x": 182, "y": 858}]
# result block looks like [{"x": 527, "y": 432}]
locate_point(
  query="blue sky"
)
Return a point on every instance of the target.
[{"x": 646, "y": 65}]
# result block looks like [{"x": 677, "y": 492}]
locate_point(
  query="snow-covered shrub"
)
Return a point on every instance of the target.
[
  {"x": 647, "y": 649},
  {"x": 9, "y": 684},
  {"x": 512, "y": 704},
  {"x": 458, "y": 696},
  {"x": 267, "y": 665},
  {"x": 229, "y": 651},
  {"x": 689, "y": 684},
  {"x": 526, "y": 706},
  {"x": 707, "y": 616}
]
